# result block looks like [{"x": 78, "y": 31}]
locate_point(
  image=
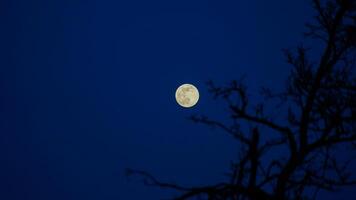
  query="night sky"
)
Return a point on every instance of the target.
[{"x": 87, "y": 90}]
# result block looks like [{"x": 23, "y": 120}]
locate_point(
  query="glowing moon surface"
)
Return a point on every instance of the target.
[{"x": 187, "y": 95}]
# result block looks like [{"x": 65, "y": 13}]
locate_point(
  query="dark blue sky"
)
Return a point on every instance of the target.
[{"x": 87, "y": 89}]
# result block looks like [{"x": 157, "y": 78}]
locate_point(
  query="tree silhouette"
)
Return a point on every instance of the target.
[{"x": 316, "y": 119}]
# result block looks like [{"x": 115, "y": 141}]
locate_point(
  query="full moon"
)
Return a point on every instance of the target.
[{"x": 187, "y": 95}]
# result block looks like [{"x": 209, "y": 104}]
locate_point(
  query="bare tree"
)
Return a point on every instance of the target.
[{"x": 316, "y": 119}]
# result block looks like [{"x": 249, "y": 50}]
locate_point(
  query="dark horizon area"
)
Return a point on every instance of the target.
[{"x": 87, "y": 90}]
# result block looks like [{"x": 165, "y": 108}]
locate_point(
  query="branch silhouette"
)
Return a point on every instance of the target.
[{"x": 317, "y": 115}]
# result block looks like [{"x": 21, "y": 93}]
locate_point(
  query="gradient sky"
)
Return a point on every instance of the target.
[{"x": 87, "y": 89}]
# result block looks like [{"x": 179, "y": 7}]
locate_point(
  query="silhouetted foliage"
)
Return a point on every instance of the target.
[{"x": 316, "y": 117}]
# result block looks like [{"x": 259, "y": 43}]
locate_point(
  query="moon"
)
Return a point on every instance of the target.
[{"x": 187, "y": 95}]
